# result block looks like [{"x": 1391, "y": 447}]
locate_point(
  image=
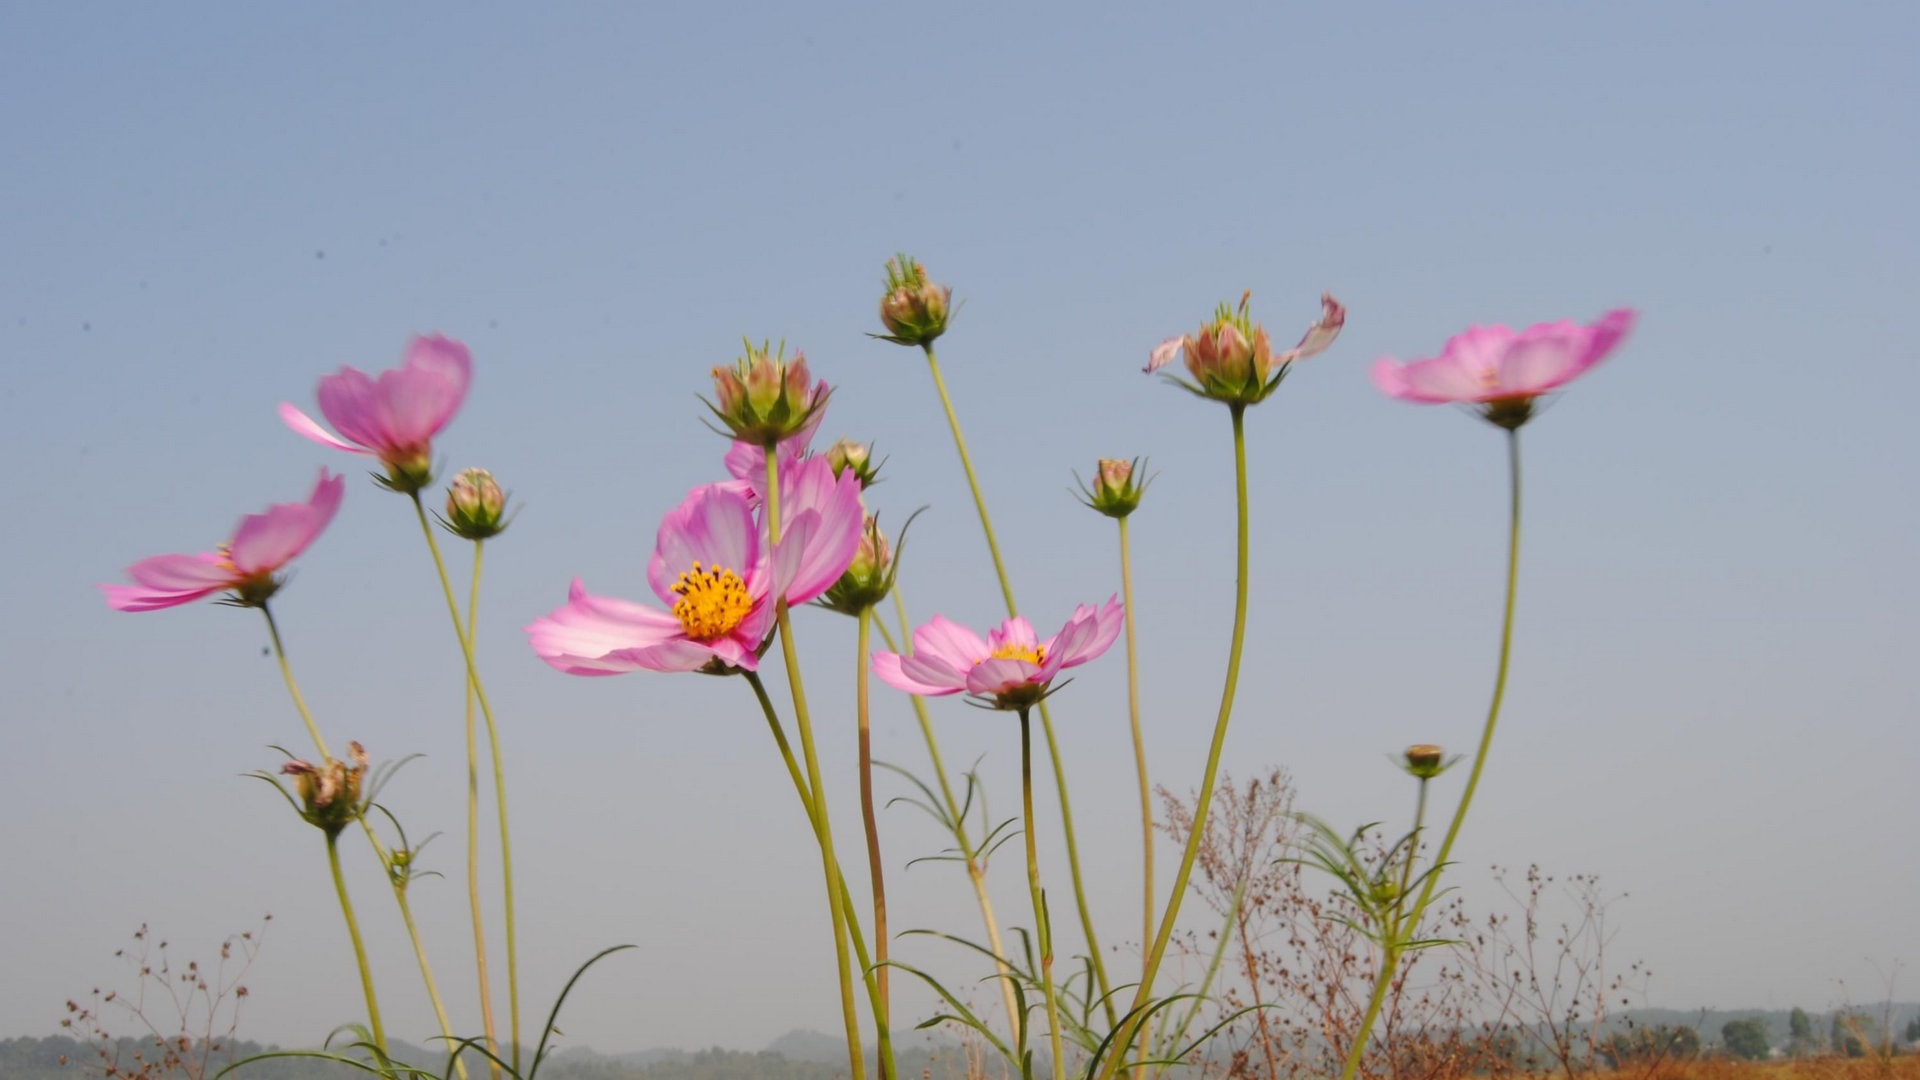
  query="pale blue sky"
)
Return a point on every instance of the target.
[{"x": 1713, "y": 702}]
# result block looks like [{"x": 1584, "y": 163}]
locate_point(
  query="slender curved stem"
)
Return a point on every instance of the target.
[
  {"x": 1420, "y": 906},
  {"x": 359, "y": 947},
  {"x": 1205, "y": 801},
  {"x": 426, "y": 968},
  {"x": 479, "y": 691},
  {"x": 822, "y": 827},
  {"x": 473, "y": 832},
  {"x": 379, "y": 850},
  {"x": 956, "y": 821},
  {"x": 1046, "y": 716},
  {"x": 293, "y": 687},
  {"x": 862, "y": 707},
  {"x": 1043, "y": 928},
  {"x": 811, "y": 806},
  {"x": 1140, "y": 767}
]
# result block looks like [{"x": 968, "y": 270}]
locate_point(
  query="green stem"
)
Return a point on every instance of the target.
[
  {"x": 1432, "y": 883},
  {"x": 862, "y": 708},
  {"x": 1140, "y": 765},
  {"x": 473, "y": 833},
  {"x": 359, "y": 948},
  {"x": 1395, "y": 936},
  {"x": 822, "y": 826},
  {"x": 293, "y": 688},
  {"x": 1499, "y": 679},
  {"x": 379, "y": 849},
  {"x": 420, "y": 956},
  {"x": 1205, "y": 801},
  {"x": 956, "y": 821},
  {"x": 1042, "y": 924},
  {"x": 499, "y": 776},
  {"x": 808, "y": 804},
  {"x": 1046, "y": 717}
]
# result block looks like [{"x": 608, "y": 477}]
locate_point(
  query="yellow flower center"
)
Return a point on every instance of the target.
[
  {"x": 1032, "y": 654},
  {"x": 712, "y": 602}
]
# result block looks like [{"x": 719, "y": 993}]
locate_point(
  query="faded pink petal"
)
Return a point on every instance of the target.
[
  {"x": 1333, "y": 316},
  {"x": 261, "y": 545},
  {"x": 1493, "y": 363},
  {"x": 398, "y": 414},
  {"x": 1001, "y": 675},
  {"x": 915, "y": 675},
  {"x": 1163, "y": 354}
]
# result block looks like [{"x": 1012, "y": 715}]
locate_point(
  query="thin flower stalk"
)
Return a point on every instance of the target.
[
  {"x": 1432, "y": 883},
  {"x": 863, "y": 710},
  {"x": 1204, "y": 802},
  {"x": 1043, "y": 925},
  {"x": 479, "y": 692},
  {"x": 379, "y": 849},
  {"x": 956, "y": 822},
  {"x": 482, "y": 975},
  {"x": 1148, "y": 906},
  {"x": 1396, "y": 936},
  {"x": 1046, "y": 717},
  {"x": 359, "y": 947},
  {"x": 822, "y": 826},
  {"x": 811, "y": 805}
]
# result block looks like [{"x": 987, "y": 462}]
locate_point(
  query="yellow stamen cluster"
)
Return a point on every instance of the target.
[
  {"x": 1032, "y": 654},
  {"x": 712, "y": 602}
]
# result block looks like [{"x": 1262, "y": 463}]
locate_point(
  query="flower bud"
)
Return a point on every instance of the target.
[
  {"x": 847, "y": 454},
  {"x": 1116, "y": 489},
  {"x": 476, "y": 506},
  {"x": 764, "y": 397},
  {"x": 329, "y": 796},
  {"x": 914, "y": 310},
  {"x": 1425, "y": 761},
  {"x": 1231, "y": 358},
  {"x": 869, "y": 578}
]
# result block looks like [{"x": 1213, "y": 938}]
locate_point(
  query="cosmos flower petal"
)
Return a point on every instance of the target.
[
  {"x": 1333, "y": 317},
  {"x": 421, "y": 396},
  {"x": 1493, "y": 363},
  {"x": 142, "y": 598},
  {"x": 916, "y": 676},
  {"x": 265, "y": 542},
  {"x": 604, "y": 635},
  {"x": 179, "y": 573},
  {"x": 305, "y": 426},
  {"x": 1163, "y": 354},
  {"x": 950, "y": 643}
]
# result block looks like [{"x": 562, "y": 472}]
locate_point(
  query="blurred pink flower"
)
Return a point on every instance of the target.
[
  {"x": 1502, "y": 370},
  {"x": 395, "y": 416},
  {"x": 712, "y": 570},
  {"x": 1010, "y": 669},
  {"x": 246, "y": 564}
]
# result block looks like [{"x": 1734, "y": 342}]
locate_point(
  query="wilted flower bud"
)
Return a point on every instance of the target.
[
  {"x": 847, "y": 454},
  {"x": 1231, "y": 358},
  {"x": 1425, "y": 761},
  {"x": 476, "y": 507},
  {"x": 914, "y": 310},
  {"x": 764, "y": 397},
  {"x": 1116, "y": 489},
  {"x": 329, "y": 796}
]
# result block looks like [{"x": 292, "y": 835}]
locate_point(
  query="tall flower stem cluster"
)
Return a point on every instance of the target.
[
  {"x": 1094, "y": 953},
  {"x": 972, "y": 854},
  {"x": 478, "y": 692},
  {"x": 823, "y": 827}
]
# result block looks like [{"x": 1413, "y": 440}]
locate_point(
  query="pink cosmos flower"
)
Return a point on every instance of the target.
[
  {"x": 1011, "y": 669},
  {"x": 245, "y": 565},
  {"x": 712, "y": 570},
  {"x": 1503, "y": 371},
  {"x": 395, "y": 416},
  {"x": 1231, "y": 358}
]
